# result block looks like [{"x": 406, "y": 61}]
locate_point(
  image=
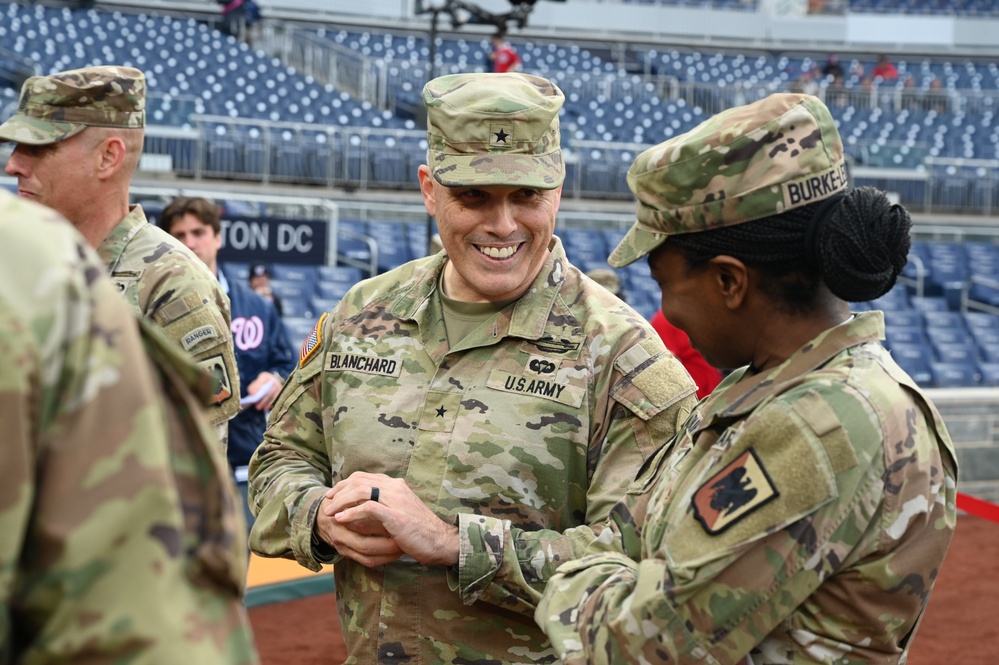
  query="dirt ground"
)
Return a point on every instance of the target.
[{"x": 959, "y": 626}]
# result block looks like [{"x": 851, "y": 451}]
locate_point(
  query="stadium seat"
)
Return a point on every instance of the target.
[
  {"x": 989, "y": 372},
  {"x": 332, "y": 289},
  {"x": 915, "y": 360},
  {"x": 346, "y": 274},
  {"x": 954, "y": 374},
  {"x": 290, "y": 288},
  {"x": 298, "y": 328},
  {"x": 305, "y": 274}
]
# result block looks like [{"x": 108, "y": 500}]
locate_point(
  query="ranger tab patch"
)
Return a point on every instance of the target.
[
  {"x": 312, "y": 341},
  {"x": 732, "y": 493}
]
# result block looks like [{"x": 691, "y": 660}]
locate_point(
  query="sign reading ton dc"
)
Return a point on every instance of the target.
[{"x": 267, "y": 239}]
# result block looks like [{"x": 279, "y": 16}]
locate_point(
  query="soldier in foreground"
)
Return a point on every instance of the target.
[
  {"x": 803, "y": 513},
  {"x": 79, "y": 137},
  {"x": 474, "y": 411},
  {"x": 121, "y": 538}
]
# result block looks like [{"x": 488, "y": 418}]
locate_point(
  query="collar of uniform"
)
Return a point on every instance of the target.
[
  {"x": 530, "y": 314},
  {"x": 746, "y": 393},
  {"x": 114, "y": 244}
]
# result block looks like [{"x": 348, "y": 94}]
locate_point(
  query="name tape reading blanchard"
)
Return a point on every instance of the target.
[{"x": 341, "y": 362}]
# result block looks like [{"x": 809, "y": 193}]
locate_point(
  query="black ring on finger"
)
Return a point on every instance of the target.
[{"x": 374, "y": 493}]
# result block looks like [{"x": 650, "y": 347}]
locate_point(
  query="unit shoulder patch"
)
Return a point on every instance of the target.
[{"x": 732, "y": 493}]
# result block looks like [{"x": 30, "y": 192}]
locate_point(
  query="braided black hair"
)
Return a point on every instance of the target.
[{"x": 857, "y": 247}]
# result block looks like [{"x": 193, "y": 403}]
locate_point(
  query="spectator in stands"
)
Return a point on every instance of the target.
[
  {"x": 832, "y": 68},
  {"x": 804, "y": 510},
  {"x": 936, "y": 98},
  {"x": 474, "y": 412},
  {"x": 78, "y": 137},
  {"x": 504, "y": 57},
  {"x": 238, "y": 17},
  {"x": 119, "y": 524},
  {"x": 260, "y": 281},
  {"x": 264, "y": 356},
  {"x": 885, "y": 69}
]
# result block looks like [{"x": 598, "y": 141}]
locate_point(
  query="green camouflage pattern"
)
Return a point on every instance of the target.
[
  {"x": 122, "y": 541},
  {"x": 834, "y": 559},
  {"x": 742, "y": 164},
  {"x": 524, "y": 435},
  {"x": 166, "y": 283},
  {"x": 494, "y": 129},
  {"x": 56, "y": 107}
]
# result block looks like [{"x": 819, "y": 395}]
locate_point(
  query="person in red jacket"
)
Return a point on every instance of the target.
[
  {"x": 704, "y": 375},
  {"x": 885, "y": 69},
  {"x": 504, "y": 57}
]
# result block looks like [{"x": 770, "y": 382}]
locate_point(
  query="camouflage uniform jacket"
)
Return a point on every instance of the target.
[
  {"x": 166, "y": 283},
  {"x": 526, "y": 432},
  {"x": 121, "y": 539},
  {"x": 801, "y": 517}
]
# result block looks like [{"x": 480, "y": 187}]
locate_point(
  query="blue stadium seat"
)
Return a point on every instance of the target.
[
  {"x": 961, "y": 352},
  {"x": 320, "y": 305},
  {"x": 948, "y": 335},
  {"x": 954, "y": 374},
  {"x": 298, "y": 328},
  {"x": 989, "y": 372},
  {"x": 294, "y": 273},
  {"x": 296, "y": 307},
  {"x": 915, "y": 360},
  {"x": 903, "y": 318},
  {"x": 287, "y": 289},
  {"x": 332, "y": 290},
  {"x": 347, "y": 274},
  {"x": 929, "y": 303},
  {"x": 905, "y": 335}
]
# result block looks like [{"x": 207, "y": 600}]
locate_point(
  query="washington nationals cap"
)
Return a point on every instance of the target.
[
  {"x": 55, "y": 107},
  {"x": 742, "y": 164},
  {"x": 494, "y": 129}
]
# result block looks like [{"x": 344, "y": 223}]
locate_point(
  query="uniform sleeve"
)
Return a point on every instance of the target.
[
  {"x": 290, "y": 471},
  {"x": 95, "y": 559},
  {"x": 650, "y": 396},
  {"x": 193, "y": 310},
  {"x": 708, "y": 588},
  {"x": 18, "y": 384}
]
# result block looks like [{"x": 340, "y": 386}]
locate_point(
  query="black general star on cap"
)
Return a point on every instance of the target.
[{"x": 501, "y": 136}]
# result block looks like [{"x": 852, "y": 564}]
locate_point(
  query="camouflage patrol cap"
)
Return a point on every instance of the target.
[
  {"x": 494, "y": 129},
  {"x": 606, "y": 278},
  {"x": 56, "y": 107},
  {"x": 743, "y": 164}
]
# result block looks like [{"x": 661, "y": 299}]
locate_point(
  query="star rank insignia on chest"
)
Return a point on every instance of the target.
[
  {"x": 732, "y": 493},
  {"x": 312, "y": 341}
]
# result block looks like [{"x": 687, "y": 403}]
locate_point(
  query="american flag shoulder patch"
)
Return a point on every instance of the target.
[{"x": 312, "y": 341}]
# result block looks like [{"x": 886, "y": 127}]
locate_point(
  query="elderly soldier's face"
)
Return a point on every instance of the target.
[
  {"x": 52, "y": 174},
  {"x": 496, "y": 237}
]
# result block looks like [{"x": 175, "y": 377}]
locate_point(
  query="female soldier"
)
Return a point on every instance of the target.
[{"x": 803, "y": 513}]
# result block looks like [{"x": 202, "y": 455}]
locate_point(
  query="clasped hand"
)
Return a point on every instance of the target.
[{"x": 374, "y": 533}]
